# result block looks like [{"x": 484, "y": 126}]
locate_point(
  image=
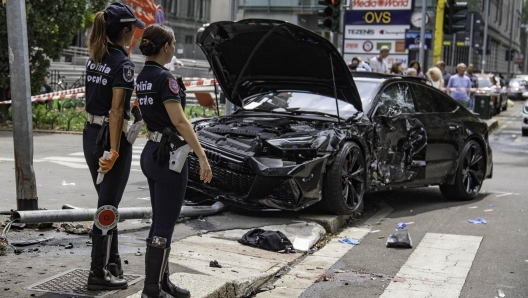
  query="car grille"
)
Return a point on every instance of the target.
[{"x": 225, "y": 179}]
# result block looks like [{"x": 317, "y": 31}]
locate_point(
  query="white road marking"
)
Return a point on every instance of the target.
[
  {"x": 70, "y": 164},
  {"x": 146, "y": 199},
  {"x": 504, "y": 194},
  {"x": 67, "y": 159},
  {"x": 438, "y": 267}
]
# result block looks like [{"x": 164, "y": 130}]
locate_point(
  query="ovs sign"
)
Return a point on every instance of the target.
[{"x": 378, "y": 17}]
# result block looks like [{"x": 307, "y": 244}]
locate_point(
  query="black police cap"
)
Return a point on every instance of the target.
[{"x": 121, "y": 13}]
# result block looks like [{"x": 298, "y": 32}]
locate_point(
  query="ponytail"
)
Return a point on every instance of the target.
[{"x": 97, "y": 39}]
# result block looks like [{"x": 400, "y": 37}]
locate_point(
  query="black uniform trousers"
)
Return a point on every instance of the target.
[
  {"x": 167, "y": 191},
  {"x": 110, "y": 190}
]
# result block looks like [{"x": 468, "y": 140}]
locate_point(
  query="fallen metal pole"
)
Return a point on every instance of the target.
[{"x": 78, "y": 214}]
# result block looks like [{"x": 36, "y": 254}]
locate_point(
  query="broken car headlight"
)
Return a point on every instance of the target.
[{"x": 298, "y": 143}]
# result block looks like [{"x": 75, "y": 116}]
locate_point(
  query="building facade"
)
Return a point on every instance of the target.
[{"x": 185, "y": 17}]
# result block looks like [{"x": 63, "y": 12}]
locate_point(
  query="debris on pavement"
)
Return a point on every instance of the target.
[
  {"x": 479, "y": 220},
  {"x": 265, "y": 239},
  {"x": 77, "y": 228},
  {"x": 138, "y": 253},
  {"x": 381, "y": 237},
  {"x": 488, "y": 210},
  {"x": 400, "y": 238},
  {"x": 31, "y": 242},
  {"x": 266, "y": 288},
  {"x": 3, "y": 246},
  {"x": 501, "y": 293},
  {"x": 375, "y": 231},
  {"x": 491, "y": 205},
  {"x": 69, "y": 246},
  {"x": 64, "y": 183},
  {"x": 215, "y": 264},
  {"x": 473, "y": 207},
  {"x": 125, "y": 261},
  {"x": 349, "y": 241},
  {"x": 401, "y": 225}
]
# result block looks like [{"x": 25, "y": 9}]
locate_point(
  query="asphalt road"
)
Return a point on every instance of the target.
[{"x": 500, "y": 262}]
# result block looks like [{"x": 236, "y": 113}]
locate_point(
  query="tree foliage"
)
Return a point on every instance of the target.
[{"x": 51, "y": 26}]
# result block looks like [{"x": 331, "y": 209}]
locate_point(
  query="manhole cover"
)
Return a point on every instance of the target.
[{"x": 73, "y": 282}]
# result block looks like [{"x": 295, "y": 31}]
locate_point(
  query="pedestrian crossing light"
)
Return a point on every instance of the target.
[
  {"x": 455, "y": 15},
  {"x": 330, "y": 14}
]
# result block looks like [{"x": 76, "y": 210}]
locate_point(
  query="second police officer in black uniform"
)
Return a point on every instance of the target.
[
  {"x": 162, "y": 103},
  {"x": 109, "y": 86}
]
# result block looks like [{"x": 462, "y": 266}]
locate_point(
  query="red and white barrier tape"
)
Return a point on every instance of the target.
[{"x": 79, "y": 92}]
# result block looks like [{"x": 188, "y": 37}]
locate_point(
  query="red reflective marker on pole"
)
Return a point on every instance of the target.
[{"x": 106, "y": 218}]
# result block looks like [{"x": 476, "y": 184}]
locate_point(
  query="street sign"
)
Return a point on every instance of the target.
[
  {"x": 363, "y": 17},
  {"x": 412, "y": 39}
]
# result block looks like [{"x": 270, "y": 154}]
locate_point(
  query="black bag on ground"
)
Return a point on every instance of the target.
[{"x": 269, "y": 240}]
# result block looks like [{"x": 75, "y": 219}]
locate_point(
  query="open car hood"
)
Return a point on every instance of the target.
[{"x": 255, "y": 56}]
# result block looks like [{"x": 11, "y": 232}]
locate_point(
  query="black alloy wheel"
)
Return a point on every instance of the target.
[
  {"x": 345, "y": 181},
  {"x": 469, "y": 175}
]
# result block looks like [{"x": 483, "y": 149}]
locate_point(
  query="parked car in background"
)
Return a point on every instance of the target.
[
  {"x": 516, "y": 87},
  {"x": 489, "y": 85},
  {"x": 525, "y": 120},
  {"x": 310, "y": 133}
]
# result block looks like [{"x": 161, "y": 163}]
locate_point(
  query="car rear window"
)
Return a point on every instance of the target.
[{"x": 484, "y": 82}]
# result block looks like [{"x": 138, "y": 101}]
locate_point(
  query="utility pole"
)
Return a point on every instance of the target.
[
  {"x": 26, "y": 188},
  {"x": 421, "y": 53},
  {"x": 511, "y": 37},
  {"x": 485, "y": 43},
  {"x": 342, "y": 13}
]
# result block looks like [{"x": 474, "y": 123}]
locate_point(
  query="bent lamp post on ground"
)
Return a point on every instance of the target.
[{"x": 77, "y": 214}]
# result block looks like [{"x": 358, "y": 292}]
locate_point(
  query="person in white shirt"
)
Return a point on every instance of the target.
[
  {"x": 174, "y": 61},
  {"x": 378, "y": 63}
]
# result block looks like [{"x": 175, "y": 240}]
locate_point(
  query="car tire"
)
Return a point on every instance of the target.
[
  {"x": 345, "y": 181},
  {"x": 525, "y": 132},
  {"x": 469, "y": 174}
]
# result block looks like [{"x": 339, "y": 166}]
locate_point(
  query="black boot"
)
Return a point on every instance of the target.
[
  {"x": 114, "y": 262},
  {"x": 168, "y": 287},
  {"x": 99, "y": 277},
  {"x": 154, "y": 268}
]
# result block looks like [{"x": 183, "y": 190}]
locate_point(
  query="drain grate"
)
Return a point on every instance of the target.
[{"x": 73, "y": 282}]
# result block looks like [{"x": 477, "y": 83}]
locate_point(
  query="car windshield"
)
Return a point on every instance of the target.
[
  {"x": 517, "y": 82},
  {"x": 366, "y": 89},
  {"x": 484, "y": 82},
  {"x": 299, "y": 102}
]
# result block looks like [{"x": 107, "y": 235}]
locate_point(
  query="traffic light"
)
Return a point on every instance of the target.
[
  {"x": 455, "y": 15},
  {"x": 330, "y": 14}
]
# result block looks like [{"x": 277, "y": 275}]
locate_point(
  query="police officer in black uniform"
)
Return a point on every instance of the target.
[
  {"x": 109, "y": 86},
  {"x": 162, "y": 102}
]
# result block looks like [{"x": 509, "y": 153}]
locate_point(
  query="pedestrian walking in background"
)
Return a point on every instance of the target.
[
  {"x": 462, "y": 82},
  {"x": 162, "y": 102},
  {"x": 410, "y": 72},
  {"x": 434, "y": 74},
  {"x": 361, "y": 65},
  {"x": 445, "y": 75},
  {"x": 109, "y": 86},
  {"x": 173, "y": 63},
  {"x": 396, "y": 68},
  {"x": 46, "y": 88},
  {"x": 474, "y": 84},
  {"x": 416, "y": 65},
  {"x": 378, "y": 63}
]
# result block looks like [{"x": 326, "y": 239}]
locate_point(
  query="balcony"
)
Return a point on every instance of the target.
[{"x": 282, "y": 5}]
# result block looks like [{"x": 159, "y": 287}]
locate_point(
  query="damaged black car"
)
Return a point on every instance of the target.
[{"x": 307, "y": 132}]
